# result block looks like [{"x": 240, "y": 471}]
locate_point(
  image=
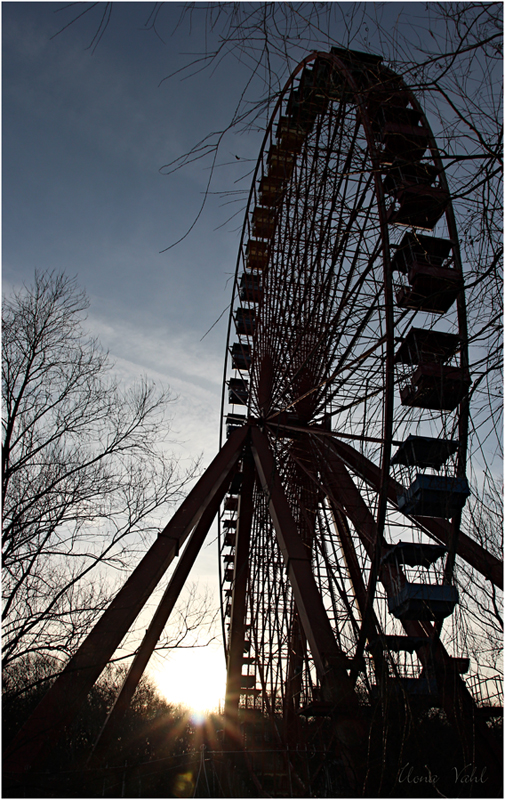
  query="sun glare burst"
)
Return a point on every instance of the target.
[{"x": 194, "y": 678}]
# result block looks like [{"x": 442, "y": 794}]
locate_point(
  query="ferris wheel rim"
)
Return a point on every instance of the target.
[
  {"x": 271, "y": 421},
  {"x": 335, "y": 60}
]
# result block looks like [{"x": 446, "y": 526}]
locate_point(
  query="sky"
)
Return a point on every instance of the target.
[
  {"x": 84, "y": 137},
  {"x": 86, "y": 133}
]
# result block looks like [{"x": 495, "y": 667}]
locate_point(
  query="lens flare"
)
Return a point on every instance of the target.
[
  {"x": 184, "y": 784},
  {"x": 194, "y": 678}
]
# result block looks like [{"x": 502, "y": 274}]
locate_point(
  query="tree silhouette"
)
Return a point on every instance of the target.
[{"x": 85, "y": 476}]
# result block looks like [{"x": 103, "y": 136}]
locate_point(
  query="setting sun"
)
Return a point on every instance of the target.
[{"x": 193, "y": 677}]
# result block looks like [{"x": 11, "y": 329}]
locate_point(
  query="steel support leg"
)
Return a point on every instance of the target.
[
  {"x": 331, "y": 663},
  {"x": 468, "y": 549},
  {"x": 296, "y": 556},
  {"x": 238, "y": 606},
  {"x": 60, "y": 705},
  {"x": 293, "y": 685},
  {"x": 158, "y": 622},
  {"x": 456, "y": 699}
]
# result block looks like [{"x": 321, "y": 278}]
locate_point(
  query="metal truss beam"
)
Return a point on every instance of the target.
[
  {"x": 468, "y": 549},
  {"x": 61, "y": 704},
  {"x": 155, "y": 629},
  {"x": 331, "y": 663},
  {"x": 456, "y": 698},
  {"x": 238, "y": 607},
  {"x": 297, "y": 558}
]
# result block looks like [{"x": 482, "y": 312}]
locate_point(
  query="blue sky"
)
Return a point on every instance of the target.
[{"x": 84, "y": 136}]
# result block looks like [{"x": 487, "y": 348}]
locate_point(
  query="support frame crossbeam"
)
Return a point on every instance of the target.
[
  {"x": 456, "y": 698},
  {"x": 467, "y": 548},
  {"x": 238, "y": 608},
  {"x": 61, "y": 704},
  {"x": 156, "y": 626}
]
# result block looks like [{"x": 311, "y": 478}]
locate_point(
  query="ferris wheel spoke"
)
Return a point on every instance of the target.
[
  {"x": 302, "y": 287},
  {"x": 350, "y": 348},
  {"x": 329, "y": 327},
  {"x": 297, "y": 559}
]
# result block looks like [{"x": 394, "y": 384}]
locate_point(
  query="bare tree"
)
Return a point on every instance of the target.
[{"x": 86, "y": 474}]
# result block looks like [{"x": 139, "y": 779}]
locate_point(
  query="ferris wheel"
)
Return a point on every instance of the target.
[
  {"x": 340, "y": 482},
  {"x": 347, "y": 358}
]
